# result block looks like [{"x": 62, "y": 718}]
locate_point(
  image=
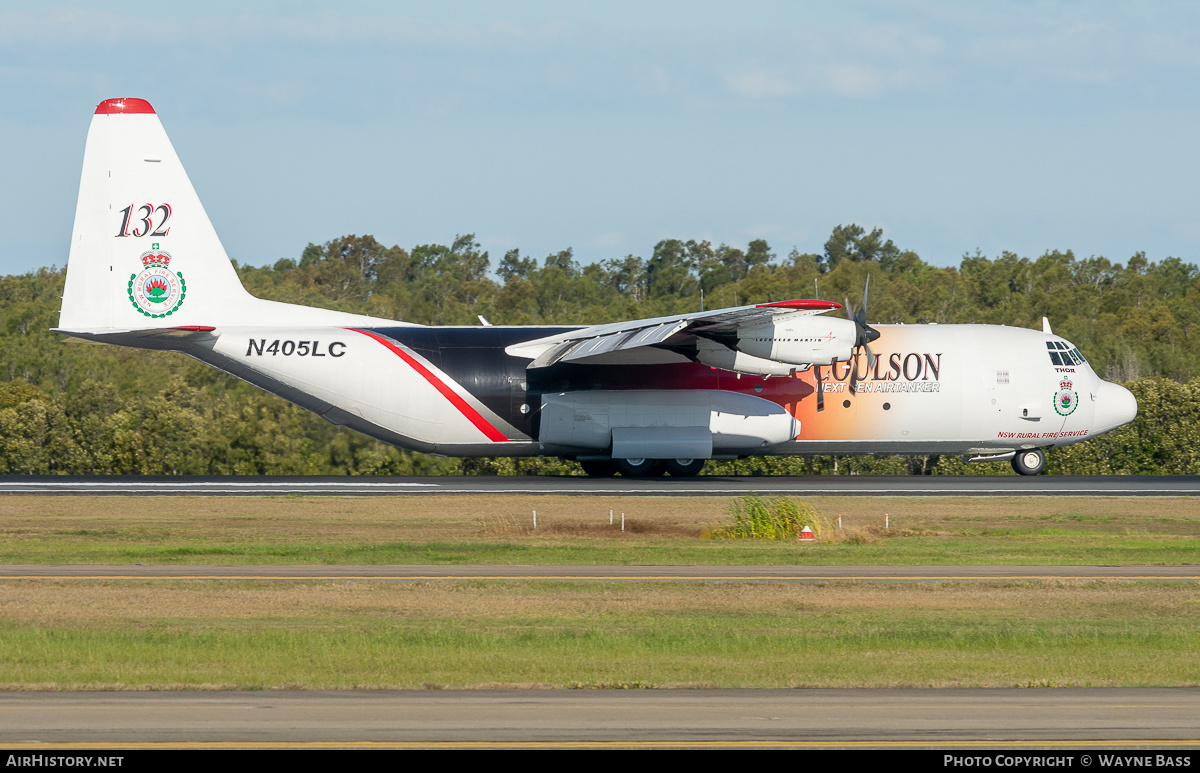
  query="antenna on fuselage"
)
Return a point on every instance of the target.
[{"x": 1046, "y": 326}]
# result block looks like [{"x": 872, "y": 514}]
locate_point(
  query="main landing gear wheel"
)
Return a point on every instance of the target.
[
  {"x": 599, "y": 468},
  {"x": 640, "y": 468},
  {"x": 1031, "y": 462},
  {"x": 683, "y": 468}
]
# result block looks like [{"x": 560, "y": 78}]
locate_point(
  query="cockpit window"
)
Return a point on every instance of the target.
[{"x": 1062, "y": 353}]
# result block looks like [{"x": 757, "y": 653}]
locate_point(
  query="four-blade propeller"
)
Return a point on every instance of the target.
[{"x": 864, "y": 335}]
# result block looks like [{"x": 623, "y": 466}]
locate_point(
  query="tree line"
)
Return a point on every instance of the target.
[{"x": 72, "y": 407}]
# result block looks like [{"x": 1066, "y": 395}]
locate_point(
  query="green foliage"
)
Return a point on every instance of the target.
[
  {"x": 777, "y": 518},
  {"x": 519, "y": 465},
  {"x": 824, "y": 465},
  {"x": 69, "y": 406},
  {"x": 183, "y": 430}
]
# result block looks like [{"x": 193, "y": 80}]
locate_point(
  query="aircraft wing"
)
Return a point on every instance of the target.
[{"x": 619, "y": 336}]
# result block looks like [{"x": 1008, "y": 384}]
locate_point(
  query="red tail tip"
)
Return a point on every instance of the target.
[{"x": 123, "y": 105}]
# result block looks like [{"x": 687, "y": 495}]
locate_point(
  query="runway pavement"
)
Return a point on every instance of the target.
[
  {"x": 848, "y": 485},
  {"x": 1100, "y": 718},
  {"x": 600, "y": 573}
]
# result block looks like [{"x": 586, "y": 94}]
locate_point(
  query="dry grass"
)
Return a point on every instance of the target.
[
  {"x": 867, "y": 536},
  {"x": 370, "y": 519},
  {"x": 510, "y": 526},
  {"x": 658, "y": 530},
  {"x": 122, "y": 604},
  {"x": 419, "y": 518}
]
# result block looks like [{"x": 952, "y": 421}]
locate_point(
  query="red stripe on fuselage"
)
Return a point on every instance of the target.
[{"x": 455, "y": 399}]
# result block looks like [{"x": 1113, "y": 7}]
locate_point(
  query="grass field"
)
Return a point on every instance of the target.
[
  {"x": 376, "y": 635},
  {"x": 497, "y": 530},
  {"x": 197, "y": 635}
]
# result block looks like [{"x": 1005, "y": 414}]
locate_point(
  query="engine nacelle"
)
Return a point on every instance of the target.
[
  {"x": 800, "y": 340},
  {"x": 721, "y": 356}
]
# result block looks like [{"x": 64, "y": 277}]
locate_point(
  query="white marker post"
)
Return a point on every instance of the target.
[
  {"x": 622, "y": 521},
  {"x": 887, "y": 521},
  {"x": 610, "y": 517},
  {"x": 535, "y": 519}
]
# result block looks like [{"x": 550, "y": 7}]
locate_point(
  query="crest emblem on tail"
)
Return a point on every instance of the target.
[{"x": 156, "y": 291}]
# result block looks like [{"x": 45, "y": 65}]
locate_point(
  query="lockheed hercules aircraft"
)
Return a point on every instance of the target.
[{"x": 146, "y": 269}]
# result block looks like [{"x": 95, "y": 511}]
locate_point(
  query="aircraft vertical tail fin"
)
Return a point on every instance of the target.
[{"x": 144, "y": 254}]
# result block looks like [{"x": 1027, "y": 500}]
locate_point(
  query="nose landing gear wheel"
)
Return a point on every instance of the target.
[
  {"x": 683, "y": 468},
  {"x": 639, "y": 468},
  {"x": 1031, "y": 462}
]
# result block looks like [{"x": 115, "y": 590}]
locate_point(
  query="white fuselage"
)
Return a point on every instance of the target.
[{"x": 932, "y": 389}]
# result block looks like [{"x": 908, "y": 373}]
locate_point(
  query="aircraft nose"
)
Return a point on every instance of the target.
[{"x": 1115, "y": 405}]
